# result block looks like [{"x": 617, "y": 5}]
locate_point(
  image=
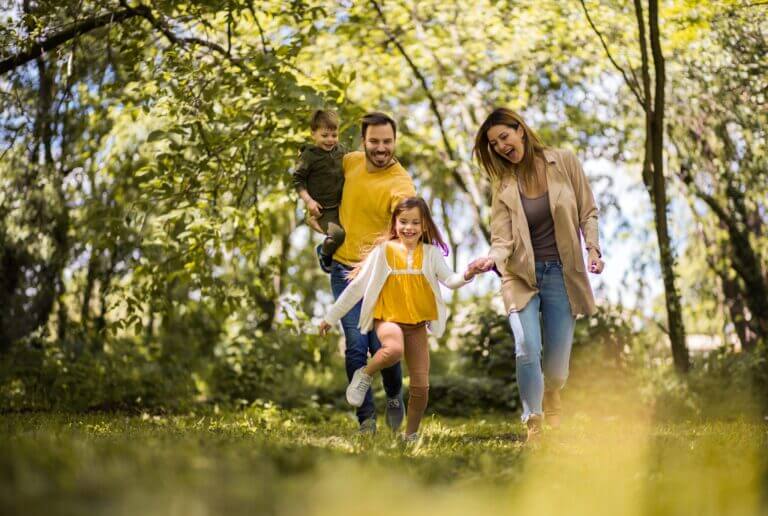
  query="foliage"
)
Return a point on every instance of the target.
[
  {"x": 722, "y": 385},
  {"x": 150, "y": 248},
  {"x": 172, "y": 374},
  {"x": 463, "y": 395}
]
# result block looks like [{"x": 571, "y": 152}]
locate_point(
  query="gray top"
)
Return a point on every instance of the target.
[{"x": 541, "y": 226}]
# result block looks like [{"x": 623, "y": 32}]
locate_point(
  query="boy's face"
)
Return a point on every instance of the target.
[{"x": 325, "y": 137}]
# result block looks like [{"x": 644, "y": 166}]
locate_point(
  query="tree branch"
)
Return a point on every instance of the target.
[
  {"x": 35, "y": 49},
  {"x": 161, "y": 26},
  {"x": 630, "y": 83},
  {"x": 436, "y": 111}
]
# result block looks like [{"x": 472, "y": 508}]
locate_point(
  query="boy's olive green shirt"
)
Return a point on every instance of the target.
[
  {"x": 574, "y": 211},
  {"x": 369, "y": 199},
  {"x": 319, "y": 172}
]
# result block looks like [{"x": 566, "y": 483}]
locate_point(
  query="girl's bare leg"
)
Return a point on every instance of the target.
[{"x": 391, "y": 351}]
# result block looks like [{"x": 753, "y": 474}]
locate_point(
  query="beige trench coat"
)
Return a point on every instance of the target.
[{"x": 573, "y": 209}]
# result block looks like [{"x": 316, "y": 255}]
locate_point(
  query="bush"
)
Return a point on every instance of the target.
[
  {"x": 462, "y": 396},
  {"x": 280, "y": 366},
  {"x": 720, "y": 385},
  {"x": 165, "y": 373},
  {"x": 45, "y": 376}
]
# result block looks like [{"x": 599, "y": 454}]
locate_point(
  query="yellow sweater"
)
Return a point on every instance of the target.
[
  {"x": 406, "y": 296},
  {"x": 367, "y": 203}
]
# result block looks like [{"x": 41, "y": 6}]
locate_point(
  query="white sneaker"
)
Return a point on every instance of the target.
[
  {"x": 358, "y": 387},
  {"x": 411, "y": 441}
]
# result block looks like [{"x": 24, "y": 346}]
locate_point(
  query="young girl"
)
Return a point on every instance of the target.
[{"x": 398, "y": 281}]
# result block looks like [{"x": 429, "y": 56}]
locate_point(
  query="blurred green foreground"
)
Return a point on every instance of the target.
[{"x": 263, "y": 460}]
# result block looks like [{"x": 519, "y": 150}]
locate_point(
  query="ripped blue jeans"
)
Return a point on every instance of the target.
[{"x": 543, "y": 333}]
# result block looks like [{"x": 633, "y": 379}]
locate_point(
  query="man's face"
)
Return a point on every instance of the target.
[{"x": 379, "y": 145}]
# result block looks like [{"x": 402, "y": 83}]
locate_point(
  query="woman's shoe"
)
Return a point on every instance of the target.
[
  {"x": 533, "y": 424},
  {"x": 552, "y": 408}
]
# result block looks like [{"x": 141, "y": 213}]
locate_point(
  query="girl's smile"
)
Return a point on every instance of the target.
[{"x": 408, "y": 226}]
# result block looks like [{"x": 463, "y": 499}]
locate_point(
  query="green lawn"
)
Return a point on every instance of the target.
[{"x": 267, "y": 461}]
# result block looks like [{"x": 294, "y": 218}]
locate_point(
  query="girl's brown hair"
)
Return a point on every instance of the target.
[
  {"x": 430, "y": 233},
  {"x": 494, "y": 165}
]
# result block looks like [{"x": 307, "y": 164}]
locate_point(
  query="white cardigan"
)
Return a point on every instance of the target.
[{"x": 370, "y": 280}]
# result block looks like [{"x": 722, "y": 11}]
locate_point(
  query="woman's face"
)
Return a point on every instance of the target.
[{"x": 507, "y": 142}]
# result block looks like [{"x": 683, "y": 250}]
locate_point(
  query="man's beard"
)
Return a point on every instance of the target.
[{"x": 387, "y": 158}]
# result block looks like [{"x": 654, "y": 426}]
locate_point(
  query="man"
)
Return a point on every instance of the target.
[{"x": 375, "y": 183}]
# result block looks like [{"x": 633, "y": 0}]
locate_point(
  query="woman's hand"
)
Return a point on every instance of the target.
[
  {"x": 324, "y": 327},
  {"x": 481, "y": 264},
  {"x": 478, "y": 266},
  {"x": 595, "y": 263}
]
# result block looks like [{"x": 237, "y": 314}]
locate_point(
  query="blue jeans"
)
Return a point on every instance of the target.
[
  {"x": 552, "y": 333},
  {"x": 358, "y": 346}
]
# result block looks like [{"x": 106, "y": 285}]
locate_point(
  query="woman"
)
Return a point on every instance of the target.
[{"x": 541, "y": 200}]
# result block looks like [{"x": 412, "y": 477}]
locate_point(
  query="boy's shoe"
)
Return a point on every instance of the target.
[
  {"x": 395, "y": 411},
  {"x": 533, "y": 425},
  {"x": 325, "y": 261},
  {"x": 367, "y": 427},
  {"x": 358, "y": 387},
  {"x": 411, "y": 440},
  {"x": 552, "y": 408}
]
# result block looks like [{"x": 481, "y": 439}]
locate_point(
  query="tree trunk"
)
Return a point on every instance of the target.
[{"x": 653, "y": 177}]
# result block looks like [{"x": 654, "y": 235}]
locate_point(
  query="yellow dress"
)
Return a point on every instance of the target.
[{"x": 407, "y": 296}]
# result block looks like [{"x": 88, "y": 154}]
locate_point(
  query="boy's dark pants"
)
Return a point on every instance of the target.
[
  {"x": 335, "y": 234},
  {"x": 358, "y": 346}
]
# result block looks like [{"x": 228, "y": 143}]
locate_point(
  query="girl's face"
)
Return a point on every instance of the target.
[
  {"x": 507, "y": 142},
  {"x": 408, "y": 225}
]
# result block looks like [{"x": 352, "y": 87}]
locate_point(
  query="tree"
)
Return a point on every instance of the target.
[
  {"x": 650, "y": 94},
  {"x": 718, "y": 123}
]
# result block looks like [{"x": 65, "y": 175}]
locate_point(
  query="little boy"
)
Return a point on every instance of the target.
[{"x": 319, "y": 181}]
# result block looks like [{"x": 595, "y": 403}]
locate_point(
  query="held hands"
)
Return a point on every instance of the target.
[
  {"x": 478, "y": 266},
  {"x": 482, "y": 264},
  {"x": 324, "y": 327},
  {"x": 595, "y": 263}
]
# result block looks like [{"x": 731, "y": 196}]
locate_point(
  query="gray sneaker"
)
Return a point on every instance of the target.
[
  {"x": 358, "y": 387},
  {"x": 367, "y": 427},
  {"x": 395, "y": 412},
  {"x": 411, "y": 441}
]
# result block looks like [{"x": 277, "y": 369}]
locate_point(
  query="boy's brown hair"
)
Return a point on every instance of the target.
[{"x": 324, "y": 118}]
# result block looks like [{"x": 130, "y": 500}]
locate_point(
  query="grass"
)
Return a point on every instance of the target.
[{"x": 266, "y": 461}]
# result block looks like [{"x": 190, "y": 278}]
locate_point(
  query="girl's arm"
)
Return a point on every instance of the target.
[
  {"x": 445, "y": 274},
  {"x": 354, "y": 291}
]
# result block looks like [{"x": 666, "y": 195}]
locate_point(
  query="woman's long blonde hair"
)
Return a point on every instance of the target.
[
  {"x": 497, "y": 167},
  {"x": 430, "y": 234}
]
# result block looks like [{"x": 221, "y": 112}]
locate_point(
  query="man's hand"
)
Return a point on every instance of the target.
[
  {"x": 596, "y": 265},
  {"x": 314, "y": 208},
  {"x": 324, "y": 327},
  {"x": 312, "y": 222}
]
